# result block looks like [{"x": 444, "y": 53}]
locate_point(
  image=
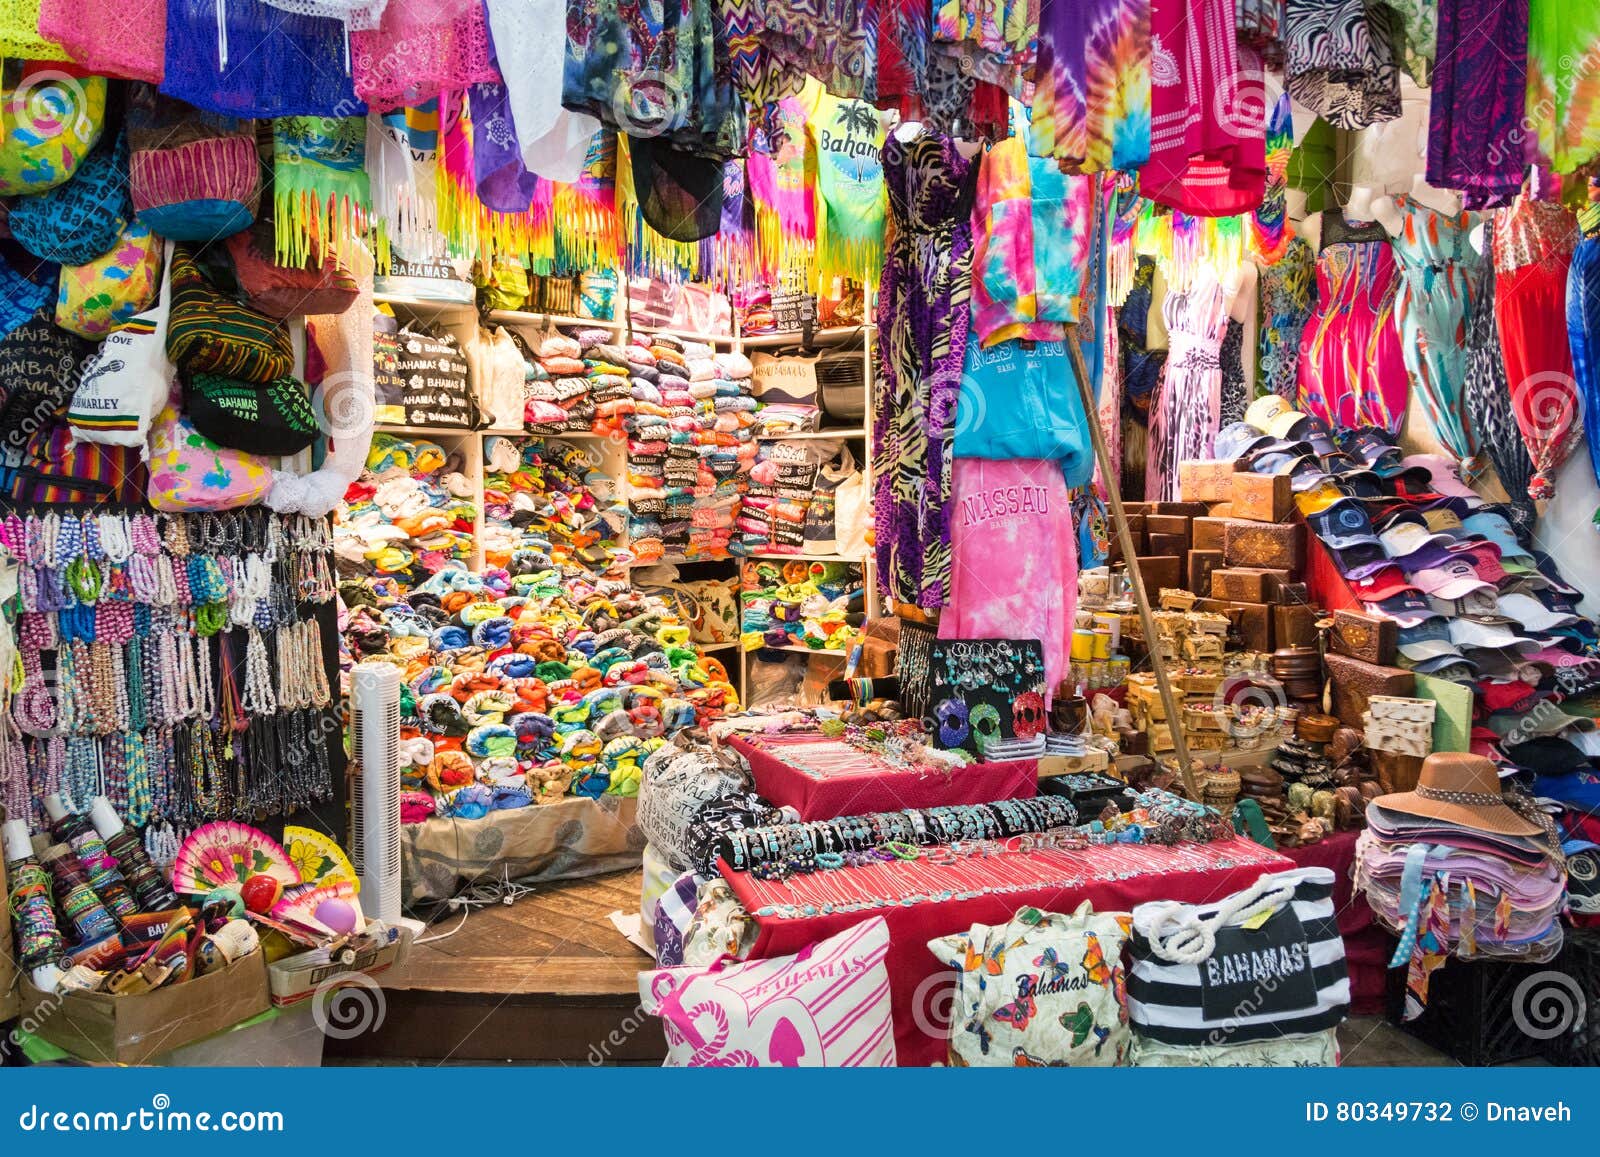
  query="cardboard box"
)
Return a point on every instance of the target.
[
  {"x": 1273, "y": 545},
  {"x": 1294, "y": 626},
  {"x": 130, "y": 1030},
  {"x": 1355, "y": 682},
  {"x": 296, "y": 978},
  {"x": 10, "y": 989},
  {"x": 1262, "y": 497},
  {"x": 1363, "y": 636},
  {"x": 1206, "y": 481},
  {"x": 1208, "y": 533}
]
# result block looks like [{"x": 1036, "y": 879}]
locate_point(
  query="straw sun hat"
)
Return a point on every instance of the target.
[{"x": 1460, "y": 789}]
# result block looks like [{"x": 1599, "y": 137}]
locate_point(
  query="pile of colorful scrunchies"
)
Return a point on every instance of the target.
[
  {"x": 527, "y": 683},
  {"x": 690, "y": 446},
  {"x": 409, "y": 515},
  {"x": 800, "y": 603},
  {"x": 545, "y": 503}
]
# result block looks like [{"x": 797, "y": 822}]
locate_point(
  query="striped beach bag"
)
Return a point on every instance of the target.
[{"x": 1263, "y": 964}]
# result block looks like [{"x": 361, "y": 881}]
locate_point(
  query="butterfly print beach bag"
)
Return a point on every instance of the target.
[{"x": 1046, "y": 989}]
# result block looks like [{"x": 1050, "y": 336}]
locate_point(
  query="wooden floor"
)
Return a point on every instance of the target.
[{"x": 547, "y": 980}]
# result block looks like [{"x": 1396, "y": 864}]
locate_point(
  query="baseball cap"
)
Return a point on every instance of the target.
[
  {"x": 1408, "y": 608},
  {"x": 1547, "y": 755},
  {"x": 1382, "y": 584},
  {"x": 1494, "y": 636},
  {"x": 1475, "y": 604},
  {"x": 1237, "y": 439},
  {"x": 1543, "y": 719},
  {"x": 1494, "y": 528},
  {"x": 1547, "y": 568},
  {"x": 1359, "y": 561},
  {"x": 1443, "y": 473},
  {"x": 1532, "y": 614},
  {"x": 1405, "y": 537},
  {"x": 1428, "y": 640},
  {"x": 1264, "y": 409},
  {"x": 1455, "y": 578},
  {"x": 1453, "y": 668},
  {"x": 1342, "y": 525},
  {"x": 1442, "y": 518},
  {"x": 1369, "y": 444},
  {"x": 1507, "y": 694}
]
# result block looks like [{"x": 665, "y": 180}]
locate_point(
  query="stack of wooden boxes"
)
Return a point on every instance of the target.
[{"x": 1233, "y": 541}]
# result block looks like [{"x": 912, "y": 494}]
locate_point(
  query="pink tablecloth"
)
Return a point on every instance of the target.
[
  {"x": 1114, "y": 878},
  {"x": 826, "y": 778},
  {"x": 1367, "y": 946}
]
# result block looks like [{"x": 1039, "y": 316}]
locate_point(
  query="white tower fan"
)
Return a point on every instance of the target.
[{"x": 375, "y": 849}]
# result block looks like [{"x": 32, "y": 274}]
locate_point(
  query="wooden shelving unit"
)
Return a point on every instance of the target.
[{"x": 462, "y": 319}]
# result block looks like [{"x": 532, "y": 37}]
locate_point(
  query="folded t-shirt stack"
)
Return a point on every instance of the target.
[
  {"x": 690, "y": 446},
  {"x": 1458, "y": 866},
  {"x": 408, "y": 515},
  {"x": 773, "y": 520}
]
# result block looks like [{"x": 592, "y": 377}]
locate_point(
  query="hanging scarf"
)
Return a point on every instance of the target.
[
  {"x": 782, "y": 194},
  {"x": 322, "y": 198},
  {"x": 588, "y": 233},
  {"x": 1269, "y": 236},
  {"x": 401, "y": 159},
  {"x": 503, "y": 183},
  {"x": 471, "y": 228}
]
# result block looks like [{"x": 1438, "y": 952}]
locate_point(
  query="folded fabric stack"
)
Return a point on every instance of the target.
[
  {"x": 524, "y": 684},
  {"x": 807, "y": 604},
  {"x": 689, "y": 447},
  {"x": 558, "y": 386},
  {"x": 1457, "y": 866},
  {"x": 777, "y": 419},
  {"x": 409, "y": 515},
  {"x": 773, "y": 519},
  {"x": 544, "y": 503}
]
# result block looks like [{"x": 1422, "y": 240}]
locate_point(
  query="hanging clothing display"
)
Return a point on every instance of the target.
[
  {"x": 1235, "y": 393},
  {"x": 848, "y": 138},
  {"x": 902, "y": 56},
  {"x": 1288, "y": 291},
  {"x": 1351, "y": 372},
  {"x": 1479, "y": 86},
  {"x": 1032, "y": 229},
  {"x": 1207, "y": 149},
  {"x": 124, "y": 38},
  {"x": 553, "y": 142},
  {"x": 1091, "y": 101},
  {"x": 1416, "y": 31},
  {"x": 1187, "y": 411},
  {"x": 247, "y": 59},
  {"x": 835, "y": 41},
  {"x": 1440, "y": 278},
  {"x": 923, "y": 315},
  {"x": 1533, "y": 244},
  {"x": 1583, "y": 331},
  {"x": 1340, "y": 60},
  {"x": 1269, "y": 221},
  {"x": 1014, "y": 557},
  {"x": 1488, "y": 399},
  {"x": 1563, "y": 72},
  {"x": 419, "y": 51}
]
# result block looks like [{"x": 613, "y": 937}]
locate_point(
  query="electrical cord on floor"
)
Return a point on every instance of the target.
[{"x": 501, "y": 891}]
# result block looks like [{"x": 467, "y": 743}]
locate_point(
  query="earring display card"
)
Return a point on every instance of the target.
[{"x": 985, "y": 689}]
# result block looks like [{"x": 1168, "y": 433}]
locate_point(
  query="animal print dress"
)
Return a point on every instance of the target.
[{"x": 923, "y": 319}]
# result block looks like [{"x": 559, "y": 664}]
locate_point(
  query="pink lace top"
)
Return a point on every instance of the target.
[
  {"x": 123, "y": 38},
  {"x": 420, "y": 50}
]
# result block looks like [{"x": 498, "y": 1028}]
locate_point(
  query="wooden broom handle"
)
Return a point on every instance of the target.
[{"x": 1119, "y": 518}]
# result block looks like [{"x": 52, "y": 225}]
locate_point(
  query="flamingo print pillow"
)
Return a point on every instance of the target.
[
  {"x": 826, "y": 1006},
  {"x": 1045, "y": 989}
]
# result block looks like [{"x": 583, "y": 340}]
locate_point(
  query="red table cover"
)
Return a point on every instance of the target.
[
  {"x": 1367, "y": 945},
  {"x": 826, "y": 778},
  {"x": 1113, "y": 877}
]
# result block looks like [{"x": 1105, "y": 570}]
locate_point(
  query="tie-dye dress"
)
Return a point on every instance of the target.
[
  {"x": 923, "y": 317},
  {"x": 1564, "y": 80}
]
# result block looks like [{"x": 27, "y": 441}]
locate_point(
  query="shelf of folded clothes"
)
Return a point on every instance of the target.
[
  {"x": 690, "y": 447},
  {"x": 545, "y": 497}
]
